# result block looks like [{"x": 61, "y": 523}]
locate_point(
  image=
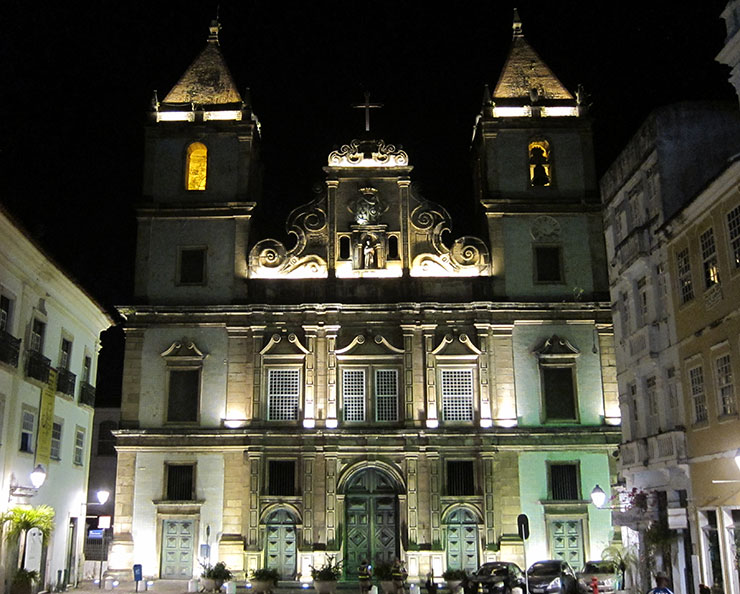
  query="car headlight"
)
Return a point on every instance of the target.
[{"x": 554, "y": 584}]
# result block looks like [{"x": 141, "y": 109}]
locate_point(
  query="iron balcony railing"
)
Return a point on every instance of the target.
[
  {"x": 38, "y": 366},
  {"x": 10, "y": 348},
  {"x": 87, "y": 394},
  {"x": 66, "y": 382}
]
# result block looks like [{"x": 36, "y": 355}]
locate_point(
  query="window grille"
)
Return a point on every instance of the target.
[
  {"x": 28, "y": 422},
  {"x": 696, "y": 381},
  {"x": 180, "y": 482},
  {"x": 460, "y": 477},
  {"x": 281, "y": 480},
  {"x": 56, "y": 441},
  {"x": 386, "y": 395},
  {"x": 683, "y": 265},
  {"x": 283, "y": 390},
  {"x": 725, "y": 387},
  {"x": 353, "y": 392},
  {"x": 457, "y": 394},
  {"x": 709, "y": 258},
  {"x": 733, "y": 232},
  {"x": 564, "y": 482}
]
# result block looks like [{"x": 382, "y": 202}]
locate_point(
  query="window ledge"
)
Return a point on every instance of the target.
[
  {"x": 166, "y": 505},
  {"x": 727, "y": 418},
  {"x": 700, "y": 425}
]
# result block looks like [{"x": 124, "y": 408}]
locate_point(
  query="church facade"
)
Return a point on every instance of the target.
[{"x": 370, "y": 391}]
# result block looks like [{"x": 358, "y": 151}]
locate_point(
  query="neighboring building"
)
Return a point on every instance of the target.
[
  {"x": 370, "y": 391},
  {"x": 49, "y": 341},
  {"x": 670, "y": 158}
]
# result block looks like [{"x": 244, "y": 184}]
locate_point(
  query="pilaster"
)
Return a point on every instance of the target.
[
  {"x": 503, "y": 392},
  {"x": 131, "y": 385},
  {"x": 430, "y": 372},
  {"x": 256, "y": 369},
  {"x": 484, "y": 365},
  {"x": 237, "y": 387}
]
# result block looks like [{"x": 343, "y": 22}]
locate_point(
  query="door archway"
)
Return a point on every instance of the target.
[
  {"x": 280, "y": 543},
  {"x": 371, "y": 518},
  {"x": 462, "y": 539}
]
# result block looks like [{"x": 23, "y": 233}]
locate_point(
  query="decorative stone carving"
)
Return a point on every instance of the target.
[
  {"x": 368, "y": 153},
  {"x": 183, "y": 351},
  {"x": 545, "y": 228},
  {"x": 556, "y": 347},
  {"x": 367, "y": 207}
]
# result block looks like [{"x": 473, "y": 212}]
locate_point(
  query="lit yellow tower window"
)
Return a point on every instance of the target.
[
  {"x": 540, "y": 167},
  {"x": 196, "y": 166}
]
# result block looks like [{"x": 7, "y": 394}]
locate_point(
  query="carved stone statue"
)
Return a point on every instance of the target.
[{"x": 368, "y": 252}]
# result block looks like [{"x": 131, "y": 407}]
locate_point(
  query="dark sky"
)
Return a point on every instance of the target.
[{"x": 77, "y": 78}]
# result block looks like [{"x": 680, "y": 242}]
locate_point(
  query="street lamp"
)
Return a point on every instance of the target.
[
  {"x": 598, "y": 496},
  {"x": 38, "y": 476},
  {"x": 102, "y": 495}
]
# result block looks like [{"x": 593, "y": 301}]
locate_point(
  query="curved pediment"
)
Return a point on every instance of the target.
[
  {"x": 183, "y": 351},
  {"x": 280, "y": 344},
  {"x": 556, "y": 347},
  {"x": 378, "y": 345},
  {"x": 456, "y": 346}
]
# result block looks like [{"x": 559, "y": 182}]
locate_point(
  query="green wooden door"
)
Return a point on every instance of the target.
[
  {"x": 462, "y": 540},
  {"x": 280, "y": 548},
  {"x": 177, "y": 549},
  {"x": 566, "y": 541},
  {"x": 371, "y": 509}
]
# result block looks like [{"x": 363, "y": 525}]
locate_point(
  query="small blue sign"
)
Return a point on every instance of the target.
[
  {"x": 95, "y": 533},
  {"x": 137, "y": 572}
]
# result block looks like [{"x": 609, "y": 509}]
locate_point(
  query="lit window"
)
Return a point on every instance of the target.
[
  {"x": 457, "y": 394},
  {"x": 698, "y": 398},
  {"x": 79, "y": 451},
  {"x": 548, "y": 267},
  {"x": 733, "y": 232},
  {"x": 283, "y": 394},
  {"x": 184, "y": 395},
  {"x": 192, "y": 266},
  {"x": 56, "y": 440},
  {"x": 683, "y": 266},
  {"x": 540, "y": 168},
  {"x": 725, "y": 386},
  {"x": 196, "y": 166},
  {"x": 709, "y": 258},
  {"x": 28, "y": 428}
]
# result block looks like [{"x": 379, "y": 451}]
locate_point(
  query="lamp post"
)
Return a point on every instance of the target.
[
  {"x": 598, "y": 496},
  {"x": 102, "y": 496}
]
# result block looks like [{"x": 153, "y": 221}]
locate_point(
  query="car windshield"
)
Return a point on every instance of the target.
[
  {"x": 599, "y": 567},
  {"x": 544, "y": 569},
  {"x": 496, "y": 570}
]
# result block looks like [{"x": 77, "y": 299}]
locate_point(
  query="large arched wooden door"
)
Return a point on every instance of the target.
[
  {"x": 280, "y": 545},
  {"x": 462, "y": 540},
  {"x": 371, "y": 513}
]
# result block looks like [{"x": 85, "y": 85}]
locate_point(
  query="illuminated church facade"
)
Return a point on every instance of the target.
[{"x": 371, "y": 391}]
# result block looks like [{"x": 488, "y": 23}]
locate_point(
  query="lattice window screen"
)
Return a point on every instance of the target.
[
  {"x": 386, "y": 394},
  {"x": 457, "y": 394},
  {"x": 283, "y": 391},
  {"x": 353, "y": 391}
]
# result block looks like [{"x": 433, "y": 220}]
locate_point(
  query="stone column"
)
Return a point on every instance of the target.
[
  {"x": 121, "y": 554},
  {"x": 231, "y": 544},
  {"x": 255, "y": 368},
  {"x": 131, "y": 386},
  {"x": 612, "y": 413},
  {"x": 430, "y": 372},
  {"x": 331, "y": 408},
  {"x": 310, "y": 377},
  {"x": 403, "y": 192},
  {"x": 254, "y": 461},
  {"x": 489, "y": 487}
]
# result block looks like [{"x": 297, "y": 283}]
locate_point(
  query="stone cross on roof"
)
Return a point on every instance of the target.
[{"x": 367, "y": 106}]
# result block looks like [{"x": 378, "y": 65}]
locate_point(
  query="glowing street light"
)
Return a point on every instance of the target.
[
  {"x": 102, "y": 496},
  {"x": 598, "y": 496},
  {"x": 38, "y": 476}
]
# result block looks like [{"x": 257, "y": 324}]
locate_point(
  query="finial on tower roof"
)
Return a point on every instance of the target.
[
  {"x": 517, "y": 24},
  {"x": 213, "y": 29},
  {"x": 486, "y": 95}
]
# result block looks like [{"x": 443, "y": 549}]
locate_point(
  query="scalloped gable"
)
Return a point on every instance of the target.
[
  {"x": 456, "y": 346},
  {"x": 555, "y": 347},
  {"x": 379, "y": 345},
  {"x": 183, "y": 350},
  {"x": 279, "y": 344}
]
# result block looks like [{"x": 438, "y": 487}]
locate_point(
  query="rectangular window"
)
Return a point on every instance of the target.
[
  {"x": 184, "y": 394},
  {"x": 457, "y": 394},
  {"x": 386, "y": 395},
  {"x": 28, "y": 430},
  {"x": 65, "y": 354},
  {"x": 733, "y": 233},
  {"x": 180, "y": 482},
  {"x": 652, "y": 395},
  {"x": 672, "y": 390},
  {"x": 283, "y": 394},
  {"x": 625, "y": 310},
  {"x": 643, "y": 293},
  {"x": 564, "y": 484},
  {"x": 5, "y": 311},
  {"x": 709, "y": 258},
  {"x": 281, "y": 479},
  {"x": 79, "y": 450},
  {"x": 560, "y": 400},
  {"x": 460, "y": 477},
  {"x": 37, "y": 335},
  {"x": 353, "y": 394},
  {"x": 56, "y": 440},
  {"x": 86, "y": 369},
  {"x": 548, "y": 267},
  {"x": 698, "y": 398},
  {"x": 192, "y": 266},
  {"x": 633, "y": 400},
  {"x": 683, "y": 267},
  {"x": 725, "y": 386}
]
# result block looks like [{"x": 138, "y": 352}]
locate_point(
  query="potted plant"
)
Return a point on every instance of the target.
[
  {"x": 454, "y": 577},
  {"x": 264, "y": 580},
  {"x": 19, "y": 521},
  {"x": 384, "y": 573},
  {"x": 325, "y": 577},
  {"x": 23, "y": 581},
  {"x": 214, "y": 576}
]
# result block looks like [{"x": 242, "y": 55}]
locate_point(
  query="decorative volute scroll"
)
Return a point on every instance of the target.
[
  {"x": 556, "y": 348},
  {"x": 279, "y": 345},
  {"x": 459, "y": 346},
  {"x": 379, "y": 345},
  {"x": 307, "y": 259},
  {"x": 368, "y": 153},
  {"x": 431, "y": 257},
  {"x": 183, "y": 351}
]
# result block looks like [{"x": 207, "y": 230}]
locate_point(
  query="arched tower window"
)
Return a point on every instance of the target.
[
  {"x": 196, "y": 166},
  {"x": 540, "y": 164}
]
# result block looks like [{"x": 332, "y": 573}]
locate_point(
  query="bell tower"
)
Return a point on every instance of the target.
[
  {"x": 535, "y": 179},
  {"x": 202, "y": 176}
]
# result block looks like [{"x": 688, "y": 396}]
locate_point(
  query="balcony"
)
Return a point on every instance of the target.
[
  {"x": 66, "y": 382},
  {"x": 38, "y": 366},
  {"x": 87, "y": 394},
  {"x": 663, "y": 449},
  {"x": 635, "y": 245},
  {"x": 10, "y": 348}
]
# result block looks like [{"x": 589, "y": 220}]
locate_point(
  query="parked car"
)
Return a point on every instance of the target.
[
  {"x": 604, "y": 571},
  {"x": 498, "y": 577},
  {"x": 552, "y": 576}
]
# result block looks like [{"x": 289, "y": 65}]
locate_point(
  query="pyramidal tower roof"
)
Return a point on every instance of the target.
[
  {"x": 208, "y": 80},
  {"x": 524, "y": 72}
]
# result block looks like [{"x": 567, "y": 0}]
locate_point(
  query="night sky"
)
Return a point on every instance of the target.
[{"x": 77, "y": 79}]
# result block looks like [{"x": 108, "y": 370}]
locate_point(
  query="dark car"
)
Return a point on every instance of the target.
[
  {"x": 552, "y": 576},
  {"x": 605, "y": 573},
  {"x": 498, "y": 577}
]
